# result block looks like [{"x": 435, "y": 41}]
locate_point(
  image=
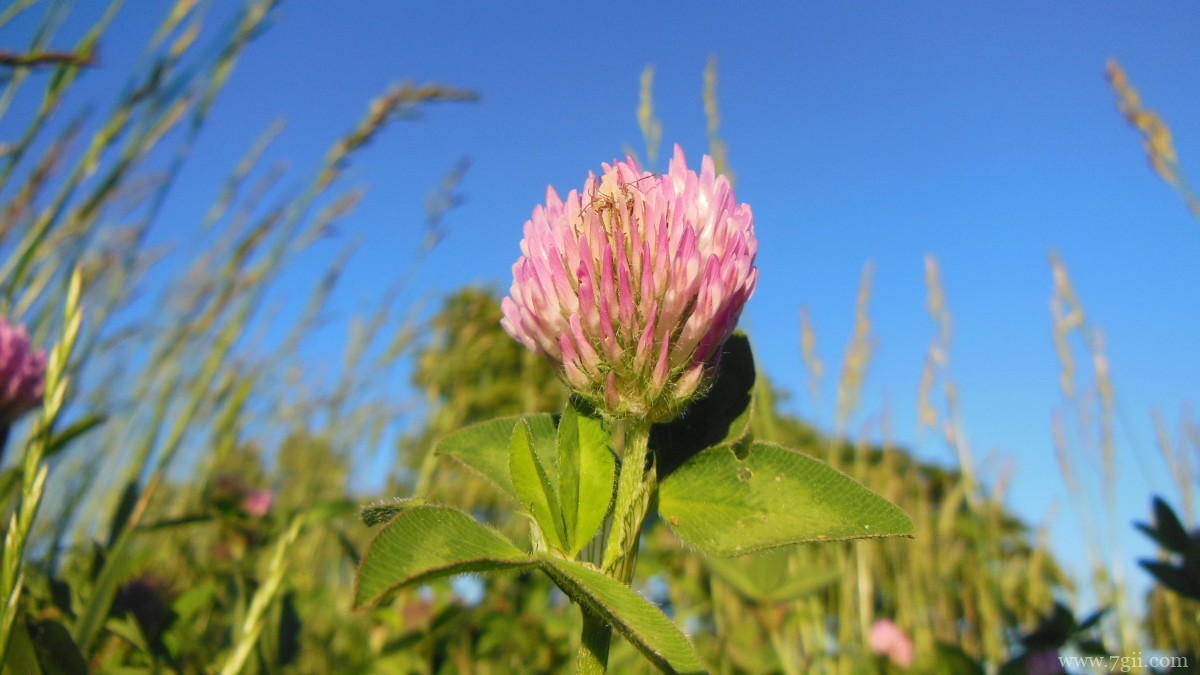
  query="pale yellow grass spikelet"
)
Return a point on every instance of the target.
[
  {"x": 1095, "y": 423},
  {"x": 1163, "y": 441},
  {"x": 937, "y": 370},
  {"x": 185, "y": 40},
  {"x": 951, "y": 397},
  {"x": 1156, "y": 135},
  {"x": 808, "y": 352},
  {"x": 1068, "y": 316},
  {"x": 716, "y": 146},
  {"x": 1175, "y": 455},
  {"x": 650, "y": 125},
  {"x": 400, "y": 100},
  {"x": 1105, "y": 391},
  {"x": 937, "y": 356},
  {"x": 926, "y": 413},
  {"x": 1004, "y": 476},
  {"x": 933, "y": 283},
  {"x": 179, "y": 12},
  {"x": 1060, "y": 452},
  {"x": 858, "y": 352}
]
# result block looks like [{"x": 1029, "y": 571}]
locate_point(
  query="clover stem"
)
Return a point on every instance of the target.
[{"x": 635, "y": 487}]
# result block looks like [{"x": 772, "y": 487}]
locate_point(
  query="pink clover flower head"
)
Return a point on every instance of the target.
[
  {"x": 888, "y": 640},
  {"x": 22, "y": 373},
  {"x": 632, "y": 285}
]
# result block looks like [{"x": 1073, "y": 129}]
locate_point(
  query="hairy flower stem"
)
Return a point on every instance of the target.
[
  {"x": 635, "y": 486},
  {"x": 633, "y": 491}
]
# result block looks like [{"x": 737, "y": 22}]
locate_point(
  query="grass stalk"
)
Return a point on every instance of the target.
[{"x": 34, "y": 467}]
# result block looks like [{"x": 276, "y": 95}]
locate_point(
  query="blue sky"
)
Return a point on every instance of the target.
[{"x": 984, "y": 134}]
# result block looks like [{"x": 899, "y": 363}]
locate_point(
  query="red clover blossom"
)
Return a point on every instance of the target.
[{"x": 632, "y": 286}]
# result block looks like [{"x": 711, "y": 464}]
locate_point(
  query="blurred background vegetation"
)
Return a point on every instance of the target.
[{"x": 199, "y": 514}]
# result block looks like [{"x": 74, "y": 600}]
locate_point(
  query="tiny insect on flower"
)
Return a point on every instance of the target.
[{"x": 632, "y": 285}]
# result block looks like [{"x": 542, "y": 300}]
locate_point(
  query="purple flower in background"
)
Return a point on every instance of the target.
[
  {"x": 632, "y": 286},
  {"x": 888, "y": 640},
  {"x": 1044, "y": 662},
  {"x": 22, "y": 373},
  {"x": 233, "y": 493},
  {"x": 256, "y": 503},
  {"x": 146, "y": 598}
]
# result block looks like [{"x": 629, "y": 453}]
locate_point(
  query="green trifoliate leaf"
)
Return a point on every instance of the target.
[
  {"x": 483, "y": 447},
  {"x": 534, "y": 489},
  {"x": 586, "y": 473},
  {"x": 631, "y": 615},
  {"x": 426, "y": 542},
  {"x": 773, "y": 497}
]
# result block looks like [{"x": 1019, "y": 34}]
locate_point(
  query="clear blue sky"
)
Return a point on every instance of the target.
[{"x": 982, "y": 133}]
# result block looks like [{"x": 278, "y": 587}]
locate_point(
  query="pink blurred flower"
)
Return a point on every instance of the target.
[
  {"x": 22, "y": 373},
  {"x": 888, "y": 640},
  {"x": 256, "y": 503},
  {"x": 632, "y": 286},
  {"x": 233, "y": 492}
]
